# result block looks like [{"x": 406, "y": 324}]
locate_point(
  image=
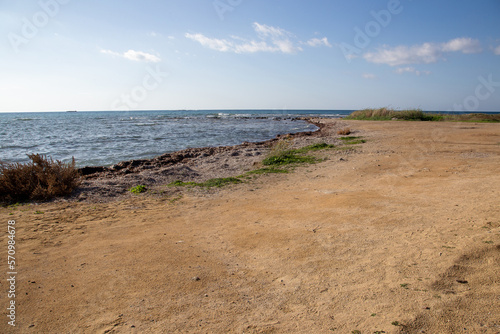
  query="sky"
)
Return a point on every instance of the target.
[{"x": 59, "y": 55}]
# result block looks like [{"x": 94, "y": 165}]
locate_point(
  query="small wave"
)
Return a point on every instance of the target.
[
  {"x": 17, "y": 147},
  {"x": 145, "y": 124},
  {"x": 26, "y": 119}
]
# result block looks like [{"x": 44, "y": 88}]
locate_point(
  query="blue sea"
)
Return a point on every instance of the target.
[{"x": 107, "y": 137}]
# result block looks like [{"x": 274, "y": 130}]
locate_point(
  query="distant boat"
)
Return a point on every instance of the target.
[{"x": 71, "y": 111}]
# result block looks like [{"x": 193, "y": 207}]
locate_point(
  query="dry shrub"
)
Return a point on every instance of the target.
[
  {"x": 344, "y": 132},
  {"x": 40, "y": 179}
]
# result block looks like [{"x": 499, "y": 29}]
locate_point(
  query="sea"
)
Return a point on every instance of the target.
[{"x": 104, "y": 138}]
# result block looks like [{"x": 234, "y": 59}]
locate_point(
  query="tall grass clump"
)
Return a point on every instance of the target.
[
  {"x": 40, "y": 179},
  {"x": 389, "y": 114},
  {"x": 386, "y": 114},
  {"x": 476, "y": 117}
]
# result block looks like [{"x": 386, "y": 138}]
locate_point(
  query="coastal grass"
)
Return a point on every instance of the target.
[
  {"x": 267, "y": 170},
  {"x": 40, "y": 179},
  {"x": 289, "y": 156},
  {"x": 216, "y": 182},
  {"x": 387, "y": 114},
  {"x": 279, "y": 159}
]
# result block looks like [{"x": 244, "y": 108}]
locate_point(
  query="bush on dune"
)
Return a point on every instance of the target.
[
  {"x": 388, "y": 114},
  {"x": 40, "y": 179},
  {"x": 385, "y": 114}
]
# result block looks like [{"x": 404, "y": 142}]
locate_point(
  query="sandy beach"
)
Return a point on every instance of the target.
[{"x": 401, "y": 235}]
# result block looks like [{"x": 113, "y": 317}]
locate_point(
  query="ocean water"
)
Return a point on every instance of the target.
[{"x": 107, "y": 137}]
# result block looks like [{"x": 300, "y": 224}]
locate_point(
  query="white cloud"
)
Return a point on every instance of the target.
[
  {"x": 270, "y": 39},
  {"x": 497, "y": 50},
  {"x": 277, "y": 37},
  {"x": 402, "y": 70},
  {"x": 464, "y": 45},
  {"x": 421, "y": 54},
  {"x": 134, "y": 56},
  {"x": 268, "y": 31},
  {"x": 369, "y": 76},
  {"x": 212, "y": 43},
  {"x": 141, "y": 56},
  {"x": 314, "y": 42}
]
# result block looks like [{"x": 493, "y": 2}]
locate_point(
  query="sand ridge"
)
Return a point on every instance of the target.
[{"x": 401, "y": 236}]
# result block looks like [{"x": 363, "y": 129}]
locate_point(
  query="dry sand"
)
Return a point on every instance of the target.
[{"x": 401, "y": 236}]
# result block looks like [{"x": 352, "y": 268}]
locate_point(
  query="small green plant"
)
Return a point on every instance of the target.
[
  {"x": 373, "y": 314},
  {"x": 37, "y": 212},
  {"x": 395, "y": 323},
  {"x": 138, "y": 189},
  {"x": 356, "y": 332},
  {"x": 404, "y": 285}
]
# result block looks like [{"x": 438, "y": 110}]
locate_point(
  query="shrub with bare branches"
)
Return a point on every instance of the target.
[
  {"x": 344, "y": 132},
  {"x": 40, "y": 179}
]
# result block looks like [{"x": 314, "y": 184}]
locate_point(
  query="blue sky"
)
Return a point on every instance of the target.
[{"x": 61, "y": 55}]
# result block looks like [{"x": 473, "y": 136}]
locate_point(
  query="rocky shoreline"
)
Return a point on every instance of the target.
[{"x": 192, "y": 164}]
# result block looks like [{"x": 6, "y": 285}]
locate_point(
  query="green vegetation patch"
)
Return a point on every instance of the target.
[
  {"x": 267, "y": 170},
  {"x": 351, "y": 140},
  {"x": 314, "y": 147},
  {"x": 281, "y": 156},
  {"x": 217, "y": 182},
  {"x": 138, "y": 189},
  {"x": 387, "y": 114},
  {"x": 287, "y": 158}
]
